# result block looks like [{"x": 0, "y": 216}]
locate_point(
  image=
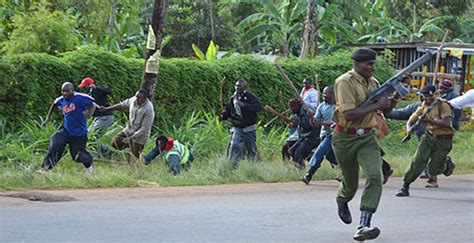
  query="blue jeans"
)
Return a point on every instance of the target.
[
  {"x": 324, "y": 149},
  {"x": 242, "y": 142},
  {"x": 100, "y": 124}
]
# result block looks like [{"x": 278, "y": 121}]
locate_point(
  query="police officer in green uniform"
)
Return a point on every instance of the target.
[
  {"x": 435, "y": 144},
  {"x": 354, "y": 141}
]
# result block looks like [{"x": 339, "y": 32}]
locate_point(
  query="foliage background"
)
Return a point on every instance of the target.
[{"x": 32, "y": 81}]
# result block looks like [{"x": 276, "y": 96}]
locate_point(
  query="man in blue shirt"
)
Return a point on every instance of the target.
[
  {"x": 323, "y": 118},
  {"x": 76, "y": 108}
]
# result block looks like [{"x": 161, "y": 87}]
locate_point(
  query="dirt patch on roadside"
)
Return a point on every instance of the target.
[{"x": 40, "y": 196}]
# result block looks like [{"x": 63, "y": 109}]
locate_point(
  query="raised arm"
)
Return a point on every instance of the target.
[{"x": 48, "y": 116}]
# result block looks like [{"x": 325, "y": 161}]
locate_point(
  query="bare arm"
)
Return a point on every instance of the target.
[
  {"x": 111, "y": 108},
  {"x": 48, "y": 116}
]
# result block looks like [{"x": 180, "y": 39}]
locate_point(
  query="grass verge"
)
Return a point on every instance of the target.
[{"x": 22, "y": 151}]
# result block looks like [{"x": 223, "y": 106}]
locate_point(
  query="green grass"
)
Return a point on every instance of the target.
[{"x": 22, "y": 151}]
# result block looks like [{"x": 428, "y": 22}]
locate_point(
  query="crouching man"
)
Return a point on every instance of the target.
[{"x": 177, "y": 156}]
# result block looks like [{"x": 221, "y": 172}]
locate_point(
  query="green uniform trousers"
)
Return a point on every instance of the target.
[
  {"x": 351, "y": 152},
  {"x": 429, "y": 148}
]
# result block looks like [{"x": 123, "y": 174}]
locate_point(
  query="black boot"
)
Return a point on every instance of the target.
[
  {"x": 386, "y": 171},
  {"x": 343, "y": 212},
  {"x": 307, "y": 178},
  {"x": 403, "y": 192},
  {"x": 364, "y": 231},
  {"x": 450, "y": 165}
]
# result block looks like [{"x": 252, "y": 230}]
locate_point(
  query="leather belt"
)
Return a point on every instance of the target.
[
  {"x": 353, "y": 130},
  {"x": 442, "y": 137}
]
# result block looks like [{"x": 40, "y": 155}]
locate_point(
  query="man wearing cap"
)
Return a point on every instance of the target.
[
  {"x": 354, "y": 142},
  {"x": 448, "y": 93},
  {"x": 102, "y": 120},
  {"x": 435, "y": 144},
  {"x": 140, "y": 120},
  {"x": 177, "y": 155},
  {"x": 76, "y": 108}
]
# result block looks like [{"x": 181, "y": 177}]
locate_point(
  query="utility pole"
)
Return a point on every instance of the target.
[{"x": 152, "y": 60}]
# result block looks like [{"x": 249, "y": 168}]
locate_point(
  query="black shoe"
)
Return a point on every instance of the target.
[
  {"x": 366, "y": 233},
  {"x": 424, "y": 176},
  {"x": 306, "y": 179},
  {"x": 344, "y": 212},
  {"x": 450, "y": 165},
  {"x": 403, "y": 192},
  {"x": 385, "y": 177}
]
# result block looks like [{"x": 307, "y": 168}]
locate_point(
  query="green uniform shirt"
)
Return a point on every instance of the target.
[
  {"x": 351, "y": 90},
  {"x": 440, "y": 110}
]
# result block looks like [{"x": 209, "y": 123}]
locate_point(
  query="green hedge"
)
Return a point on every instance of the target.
[{"x": 30, "y": 82}]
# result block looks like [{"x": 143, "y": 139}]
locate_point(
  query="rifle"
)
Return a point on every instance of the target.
[
  {"x": 394, "y": 83},
  {"x": 410, "y": 130}
]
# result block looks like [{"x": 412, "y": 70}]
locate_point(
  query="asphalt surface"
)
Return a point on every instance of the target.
[{"x": 275, "y": 212}]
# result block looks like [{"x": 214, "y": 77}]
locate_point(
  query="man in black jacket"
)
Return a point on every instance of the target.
[
  {"x": 102, "y": 119},
  {"x": 242, "y": 109}
]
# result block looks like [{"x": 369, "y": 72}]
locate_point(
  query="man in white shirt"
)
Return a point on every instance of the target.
[{"x": 309, "y": 95}]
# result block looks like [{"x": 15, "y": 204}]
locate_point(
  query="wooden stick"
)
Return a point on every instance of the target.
[
  {"x": 281, "y": 116},
  {"x": 221, "y": 93},
  {"x": 438, "y": 56},
  {"x": 277, "y": 114},
  {"x": 316, "y": 79},
  {"x": 288, "y": 79}
]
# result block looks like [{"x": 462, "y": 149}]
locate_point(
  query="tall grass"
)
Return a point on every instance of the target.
[{"x": 22, "y": 152}]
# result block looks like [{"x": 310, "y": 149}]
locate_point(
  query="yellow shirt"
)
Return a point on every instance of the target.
[
  {"x": 440, "y": 110},
  {"x": 350, "y": 91}
]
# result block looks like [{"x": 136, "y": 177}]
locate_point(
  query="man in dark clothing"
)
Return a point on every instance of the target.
[
  {"x": 448, "y": 93},
  {"x": 102, "y": 119},
  {"x": 76, "y": 108},
  {"x": 242, "y": 109},
  {"x": 308, "y": 136}
]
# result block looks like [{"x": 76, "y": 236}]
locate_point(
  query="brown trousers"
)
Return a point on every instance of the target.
[{"x": 135, "y": 148}]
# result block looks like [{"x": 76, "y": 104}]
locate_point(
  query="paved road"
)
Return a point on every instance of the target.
[{"x": 277, "y": 212}]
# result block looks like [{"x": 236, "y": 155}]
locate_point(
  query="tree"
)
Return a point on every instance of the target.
[
  {"x": 198, "y": 22},
  {"x": 308, "y": 39},
  {"x": 409, "y": 12},
  {"x": 281, "y": 23},
  {"x": 42, "y": 30},
  {"x": 157, "y": 24}
]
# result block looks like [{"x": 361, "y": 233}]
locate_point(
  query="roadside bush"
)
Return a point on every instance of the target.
[{"x": 32, "y": 81}]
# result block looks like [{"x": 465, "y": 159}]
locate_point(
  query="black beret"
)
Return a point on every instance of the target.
[
  {"x": 428, "y": 89},
  {"x": 363, "y": 55}
]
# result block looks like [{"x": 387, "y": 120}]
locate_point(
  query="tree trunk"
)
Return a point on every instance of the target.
[
  {"x": 157, "y": 23},
  {"x": 112, "y": 17},
  {"x": 211, "y": 18},
  {"x": 308, "y": 32}
]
